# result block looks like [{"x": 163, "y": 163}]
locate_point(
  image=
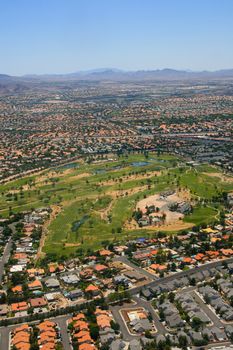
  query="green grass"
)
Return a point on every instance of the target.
[
  {"x": 202, "y": 215},
  {"x": 90, "y": 195}
]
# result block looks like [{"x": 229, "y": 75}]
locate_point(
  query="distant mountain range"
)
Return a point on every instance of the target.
[
  {"x": 119, "y": 75},
  {"x": 5, "y": 76},
  {"x": 114, "y": 74}
]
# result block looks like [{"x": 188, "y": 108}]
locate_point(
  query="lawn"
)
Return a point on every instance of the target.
[
  {"x": 202, "y": 215},
  {"x": 103, "y": 195}
]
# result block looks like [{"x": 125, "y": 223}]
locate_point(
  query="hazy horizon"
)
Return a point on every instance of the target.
[{"x": 121, "y": 70}]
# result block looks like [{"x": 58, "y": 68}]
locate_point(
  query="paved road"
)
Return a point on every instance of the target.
[
  {"x": 216, "y": 321},
  {"x": 6, "y": 254},
  {"x": 138, "y": 303},
  {"x": 4, "y": 337},
  {"x": 177, "y": 275},
  {"x": 117, "y": 317},
  {"x": 61, "y": 322},
  {"x": 126, "y": 261},
  {"x": 5, "y": 257},
  {"x": 147, "y": 305},
  {"x": 4, "y": 332}
]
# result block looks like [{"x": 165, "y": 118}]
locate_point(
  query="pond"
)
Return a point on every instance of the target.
[
  {"x": 138, "y": 164},
  {"x": 99, "y": 171},
  {"x": 69, "y": 166},
  {"x": 117, "y": 167},
  {"x": 77, "y": 224}
]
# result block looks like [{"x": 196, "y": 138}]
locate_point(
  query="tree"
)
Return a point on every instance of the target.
[
  {"x": 196, "y": 323},
  {"x": 192, "y": 281},
  {"x": 148, "y": 334},
  {"x": 171, "y": 297},
  {"x": 115, "y": 326},
  {"x": 183, "y": 342},
  {"x": 94, "y": 331}
]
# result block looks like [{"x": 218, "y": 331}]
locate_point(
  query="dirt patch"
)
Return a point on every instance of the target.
[
  {"x": 179, "y": 225},
  {"x": 72, "y": 244},
  {"x": 24, "y": 188},
  {"x": 170, "y": 220},
  {"x": 46, "y": 178},
  {"x": 162, "y": 204},
  {"x": 105, "y": 212},
  {"x": 176, "y": 226}
]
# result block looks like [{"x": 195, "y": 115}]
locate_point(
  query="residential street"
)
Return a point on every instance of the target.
[
  {"x": 4, "y": 337},
  {"x": 6, "y": 253},
  {"x": 216, "y": 321},
  {"x": 126, "y": 261},
  {"x": 174, "y": 276},
  {"x": 138, "y": 303},
  {"x": 147, "y": 305},
  {"x": 61, "y": 322},
  {"x": 5, "y": 257},
  {"x": 116, "y": 314}
]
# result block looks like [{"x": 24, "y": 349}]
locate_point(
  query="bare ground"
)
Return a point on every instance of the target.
[
  {"x": 175, "y": 226},
  {"x": 72, "y": 244},
  {"x": 173, "y": 221}
]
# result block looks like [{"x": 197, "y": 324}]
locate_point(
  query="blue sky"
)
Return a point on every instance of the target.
[{"x": 61, "y": 36}]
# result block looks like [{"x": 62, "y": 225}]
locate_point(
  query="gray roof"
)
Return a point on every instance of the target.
[
  {"x": 207, "y": 331},
  {"x": 117, "y": 344},
  {"x": 202, "y": 316},
  {"x": 159, "y": 338},
  {"x": 52, "y": 283},
  {"x": 229, "y": 329},
  {"x": 75, "y": 293},
  {"x": 135, "y": 345},
  {"x": 134, "y": 275},
  {"x": 146, "y": 293},
  {"x": 107, "y": 338},
  {"x": 174, "y": 320},
  {"x": 71, "y": 278},
  {"x": 141, "y": 325},
  {"x": 218, "y": 333},
  {"x": 195, "y": 335}
]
